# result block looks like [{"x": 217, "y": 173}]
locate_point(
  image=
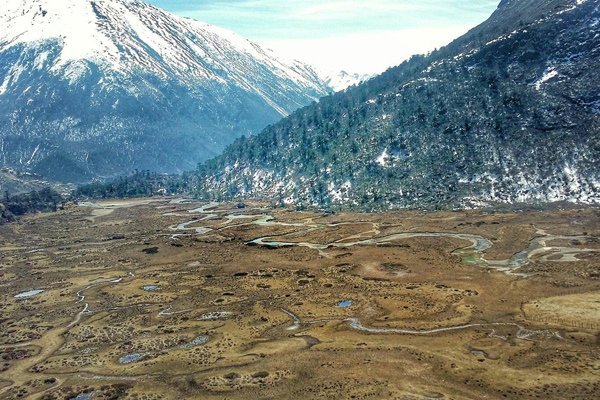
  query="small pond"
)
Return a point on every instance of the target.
[
  {"x": 344, "y": 303},
  {"x": 84, "y": 396},
  {"x": 29, "y": 293},
  {"x": 129, "y": 358},
  {"x": 214, "y": 315},
  {"x": 199, "y": 341}
]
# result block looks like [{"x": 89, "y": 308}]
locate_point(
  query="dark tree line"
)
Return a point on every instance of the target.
[
  {"x": 140, "y": 184},
  {"x": 44, "y": 200}
]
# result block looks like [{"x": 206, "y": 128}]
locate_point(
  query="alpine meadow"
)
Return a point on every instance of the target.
[{"x": 316, "y": 199}]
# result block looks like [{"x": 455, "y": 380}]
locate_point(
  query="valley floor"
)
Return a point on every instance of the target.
[{"x": 172, "y": 299}]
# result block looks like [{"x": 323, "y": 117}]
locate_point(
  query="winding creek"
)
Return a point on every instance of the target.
[
  {"x": 354, "y": 323},
  {"x": 474, "y": 254},
  {"x": 540, "y": 249}
]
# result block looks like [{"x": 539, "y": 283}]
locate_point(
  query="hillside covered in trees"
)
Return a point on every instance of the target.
[
  {"x": 140, "y": 184},
  {"x": 508, "y": 113},
  {"x": 44, "y": 200}
]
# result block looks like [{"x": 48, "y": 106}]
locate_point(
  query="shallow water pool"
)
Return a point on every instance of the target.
[
  {"x": 129, "y": 358},
  {"x": 344, "y": 303},
  {"x": 29, "y": 293}
]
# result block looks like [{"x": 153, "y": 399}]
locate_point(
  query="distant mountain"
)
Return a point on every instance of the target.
[
  {"x": 343, "y": 80},
  {"x": 102, "y": 87},
  {"x": 508, "y": 113}
]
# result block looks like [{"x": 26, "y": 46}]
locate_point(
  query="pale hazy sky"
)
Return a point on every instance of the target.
[{"x": 366, "y": 36}]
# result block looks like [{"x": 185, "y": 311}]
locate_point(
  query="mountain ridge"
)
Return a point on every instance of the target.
[{"x": 507, "y": 113}]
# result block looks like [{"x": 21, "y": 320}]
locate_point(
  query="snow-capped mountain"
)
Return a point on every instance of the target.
[
  {"x": 342, "y": 80},
  {"x": 100, "y": 87}
]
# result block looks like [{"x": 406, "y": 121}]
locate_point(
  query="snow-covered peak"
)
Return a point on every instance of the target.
[
  {"x": 341, "y": 80},
  {"x": 129, "y": 35},
  {"x": 72, "y": 22}
]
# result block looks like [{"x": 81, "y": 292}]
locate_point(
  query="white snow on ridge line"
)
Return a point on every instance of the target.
[{"x": 27, "y": 21}]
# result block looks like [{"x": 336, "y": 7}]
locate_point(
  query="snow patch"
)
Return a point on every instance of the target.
[
  {"x": 339, "y": 194},
  {"x": 419, "y": 80},
  {"x": 4, "y": 85},
  {"x": 549, "y": 74},
  {"x": 571, "y": 8},
  {"x": 383, "y": 158}
]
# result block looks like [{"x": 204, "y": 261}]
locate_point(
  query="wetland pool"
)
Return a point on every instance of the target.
[{"x": 29, "y": 293}]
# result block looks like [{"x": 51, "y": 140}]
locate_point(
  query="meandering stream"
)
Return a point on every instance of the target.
[
  {"x": 354, "y": 323},
  {"x": 473, "y": 254}
]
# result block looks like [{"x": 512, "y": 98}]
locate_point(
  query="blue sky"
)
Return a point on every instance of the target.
[{"x": 364, "y": 36}]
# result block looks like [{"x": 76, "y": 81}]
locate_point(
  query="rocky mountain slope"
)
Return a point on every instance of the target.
[
  {"x": 508, "y": 113},
  {"x": 100, "y": 87},
  {"x": 14, "y": 183}
]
